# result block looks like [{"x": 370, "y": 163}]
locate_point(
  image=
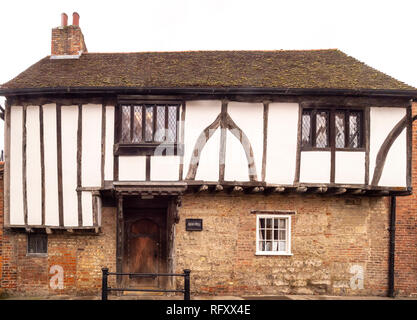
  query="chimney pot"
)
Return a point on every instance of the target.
[
  {"x": 64, "y": 20},
  {"x": 75, "y": 19}
]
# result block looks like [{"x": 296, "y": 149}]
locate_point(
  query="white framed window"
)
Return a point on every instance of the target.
[{"x": 273, "y": 234}]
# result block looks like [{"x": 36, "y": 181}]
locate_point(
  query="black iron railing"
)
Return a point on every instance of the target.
[{"x": 105, "y": 288}]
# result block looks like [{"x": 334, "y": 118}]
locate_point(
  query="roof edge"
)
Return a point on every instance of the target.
[{"x": 404, "y": 93}]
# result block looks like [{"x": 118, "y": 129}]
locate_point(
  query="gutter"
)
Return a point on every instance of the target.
[
  {"x": 409, "y": 94},
  {"x": 391, "y": 267}
]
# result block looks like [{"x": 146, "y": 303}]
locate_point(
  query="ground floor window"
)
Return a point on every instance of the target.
[
  {"x": 273, "y": 234},
  {"x": 37, "y": 243}
]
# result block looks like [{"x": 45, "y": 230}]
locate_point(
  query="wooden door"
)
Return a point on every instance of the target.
[{"x": 144, "y": 251}]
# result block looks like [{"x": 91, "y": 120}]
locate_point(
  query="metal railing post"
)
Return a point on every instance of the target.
[
  {"x": 187, "y": 284},
  {"x": 104, "y": 283}
]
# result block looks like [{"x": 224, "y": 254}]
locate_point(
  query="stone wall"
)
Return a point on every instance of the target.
[{"x": 333, "y": 239}]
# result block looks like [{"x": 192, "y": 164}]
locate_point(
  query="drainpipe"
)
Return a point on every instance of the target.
[{"x": 392, "y": 248}]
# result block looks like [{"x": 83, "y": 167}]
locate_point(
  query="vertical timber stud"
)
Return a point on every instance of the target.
[
  {"x": 117, "y": 119},
  {"x": 265, "y": 142},
  {"x": 79, "y": 164},
  {"x": 332, "y": 142},
  {"x": 42, "y": 147},
  {"x": 59, "y": 164},
  {"x": 8, "y": 107},
  {"x": 94, "y": 199},
  {"x": 391, "y": 267},
  {"x": 148, "y": 167},
  {"x": 24, "y": 180},
  {"x": 298, "y": 155},
  {"x": 367, "y": 142},
  {"x": 409, "y": 133},
  {"x": 103, "y": 142},
  {"x": 180, "y": 143},
  {"x": 119, "y": 237},
  {"x": 222, "y": 155}
]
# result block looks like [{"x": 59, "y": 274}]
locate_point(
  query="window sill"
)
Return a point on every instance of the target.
[
  {"x": 270, "y": 253},
  {"x": 149, "y": 149},
  {"x": 37, "y": 255}
]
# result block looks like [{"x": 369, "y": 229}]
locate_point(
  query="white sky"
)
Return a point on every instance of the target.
[{"x": 380, "y": 33}]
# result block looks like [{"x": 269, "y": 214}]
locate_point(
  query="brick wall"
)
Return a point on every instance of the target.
[
  {"x": 67, "y": 40},
  {"x": 1, "y": 223},
  {"x": 330, "y": 235},
  {"x": 406, "y": 231},
  {"x": 81, "y": 258}
]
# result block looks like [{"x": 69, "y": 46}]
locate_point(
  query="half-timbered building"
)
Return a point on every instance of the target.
[{"x": 264, "y": 172}]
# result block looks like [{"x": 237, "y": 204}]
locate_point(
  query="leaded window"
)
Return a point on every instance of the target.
[
  {"x": 318, "y": 132},
  {"x": 149, "y": 123}
]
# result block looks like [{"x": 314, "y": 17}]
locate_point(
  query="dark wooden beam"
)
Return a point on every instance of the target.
[
  {"x": 42, "y": 151},
  {"x": 24, "y": 176},
  {"x": 265, "y": 139},
  {"x": 79, "y": 164},
  {"x": 59, "y": 164}
]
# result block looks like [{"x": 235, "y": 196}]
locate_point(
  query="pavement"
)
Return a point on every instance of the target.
[{"x": 177, "y": 297}]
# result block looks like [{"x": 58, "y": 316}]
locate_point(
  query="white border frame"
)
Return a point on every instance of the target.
[{"x": 288, "y": 236}]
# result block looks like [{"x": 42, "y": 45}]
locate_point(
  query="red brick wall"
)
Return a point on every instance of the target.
[
  {"x": 81, "y": 257},
  {"x": 67, "y": 40},
  {"x": 1, "y": 223},
  {"x": 406, "y": 231}
]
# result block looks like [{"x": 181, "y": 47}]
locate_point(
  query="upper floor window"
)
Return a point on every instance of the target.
[
  {"x": 149, "y": 123},
  {"x": 320, "y": 128}
]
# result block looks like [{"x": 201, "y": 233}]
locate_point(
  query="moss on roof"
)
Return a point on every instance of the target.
[{"x": 304, "y": 69}]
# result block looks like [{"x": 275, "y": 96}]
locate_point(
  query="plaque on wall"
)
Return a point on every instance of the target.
[{"x": 193, "y": 224}]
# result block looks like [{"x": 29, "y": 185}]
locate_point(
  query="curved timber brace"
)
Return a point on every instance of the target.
[
  {"x": 225, "y": 122},
  {"x": 386, "y": 146}
]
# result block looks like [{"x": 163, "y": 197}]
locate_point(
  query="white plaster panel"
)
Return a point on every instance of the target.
[
  {"x": 350, "y": 167},
  {"x": 249, "y": 118},
  {"x": 51, "y": 168},
  {"x": 91, "y": 145},
  {"x": 69, "y": 125},
  {"x": 394, "y": 173},
  {"x": 382, "y": 121},
  {"x": 33, "y": 166},
  {"x": 16, "y": 175},
  {"x": 236, "y": 168},
  {"x": 132, "y": 168},
  {"x": 87, "y": 208},
  {"x": 315, "y": 167},
  {"x": 208, "y": 168},
  {"x": 199, "y": 115},
  {"x": 165, "y": 168},
  {"x": 108, "y": 159},
  {"x": 282, "y": 143}
]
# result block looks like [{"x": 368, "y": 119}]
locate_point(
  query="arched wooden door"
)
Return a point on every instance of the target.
[{"x": 144, "y": 239}]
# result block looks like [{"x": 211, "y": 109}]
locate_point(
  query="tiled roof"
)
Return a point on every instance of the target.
[{"x": 304, "y": 69}]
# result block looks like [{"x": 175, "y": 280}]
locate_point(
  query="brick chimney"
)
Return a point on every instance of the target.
[{"x": 68, "y": 40}]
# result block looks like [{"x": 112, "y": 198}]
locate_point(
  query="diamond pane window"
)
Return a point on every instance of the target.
[
  {"x": 125, "y": 123},
  {"x": 148, "y": 123},
  {"x": 321, "y": 129},
  {"x": 273, "y": 234},
  {"x": 354, "y": 130},
  {"x": 172, "y": 124},
  {"x": 340, "y": 129},
  {"x": 160, "y": 124},
  {"x": 137, "y": 124},
  {"x": 306, "y": 129}
]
